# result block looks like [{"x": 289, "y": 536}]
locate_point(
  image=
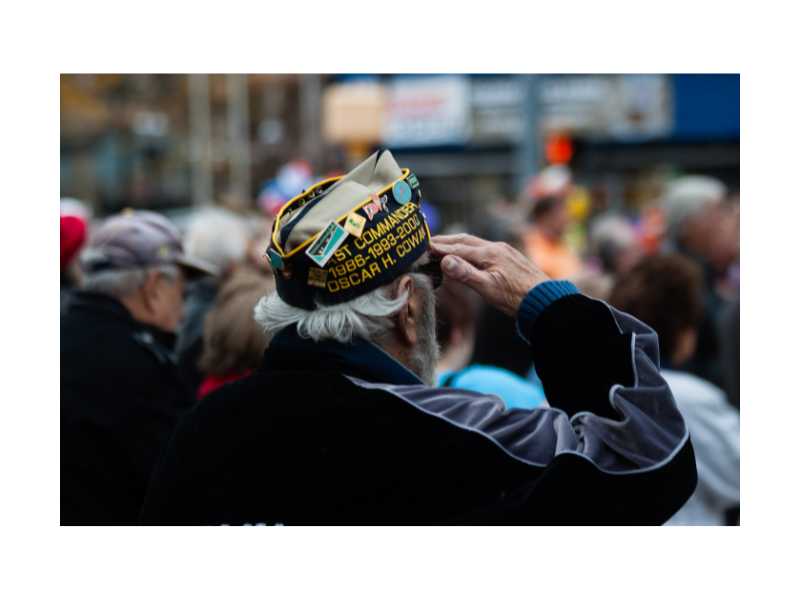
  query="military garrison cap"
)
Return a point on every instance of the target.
[{"x": 347, "y": 236}]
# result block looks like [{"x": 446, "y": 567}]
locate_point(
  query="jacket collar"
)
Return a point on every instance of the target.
[
  {"x": 359, "y": 357},
  {"x": 113, "y": 308}
]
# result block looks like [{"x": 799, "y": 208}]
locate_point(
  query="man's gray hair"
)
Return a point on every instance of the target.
[
  {"x": 610, "y": 236},
  {"x": 119, "y": 283},
  {"x": 368, "y": 317}
]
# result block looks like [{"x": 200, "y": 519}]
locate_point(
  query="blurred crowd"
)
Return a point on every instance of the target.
[{"x": 674, "y": 265}]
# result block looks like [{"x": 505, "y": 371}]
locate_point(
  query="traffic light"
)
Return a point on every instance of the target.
[{"x": 558, "y": 150}]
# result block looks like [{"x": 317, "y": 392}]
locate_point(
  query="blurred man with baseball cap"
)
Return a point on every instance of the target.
[
  {"x": 341, "y": 422},
  {"x": 121, "y": 390}
]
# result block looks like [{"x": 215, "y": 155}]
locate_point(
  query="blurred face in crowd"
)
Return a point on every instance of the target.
[
  {"x": 555, "y": 219},
  {"x": 714, "y": 234},
  {"x": 725, "y": 247},
  {"x": 162, "y": 301},
  {"x": 628, "y": 258}
]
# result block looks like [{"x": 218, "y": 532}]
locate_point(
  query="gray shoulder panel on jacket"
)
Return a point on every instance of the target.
[{"x": 649, "y": 435}]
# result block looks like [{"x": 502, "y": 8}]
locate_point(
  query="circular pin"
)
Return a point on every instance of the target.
[
  {"x": 401, "y": 191},
  {"x": 286, "y": 271}
]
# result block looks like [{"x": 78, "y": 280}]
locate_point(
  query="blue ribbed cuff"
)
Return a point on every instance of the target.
[{"x": 537, "y": 300}]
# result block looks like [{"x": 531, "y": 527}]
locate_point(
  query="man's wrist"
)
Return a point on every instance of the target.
[{"x": 539, "y": 298}]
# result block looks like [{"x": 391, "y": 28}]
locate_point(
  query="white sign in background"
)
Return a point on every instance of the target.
[
  {"x": 429, "y": 111},
  {"x": 622, "y": 107}
]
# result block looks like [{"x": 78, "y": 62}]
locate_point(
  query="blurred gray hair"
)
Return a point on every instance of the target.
[
  {"x": 217, "y": 236},
  {"x": 119, "y": 283},
  {"x": 610, "y": 236},
  {"x": 687, "y": 197}
]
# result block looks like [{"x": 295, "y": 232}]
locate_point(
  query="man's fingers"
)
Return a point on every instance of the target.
[
  {"x": 477, "y": 256},
  {"x": 460, "y": 270},
  {"x": 460, "y": 238}
]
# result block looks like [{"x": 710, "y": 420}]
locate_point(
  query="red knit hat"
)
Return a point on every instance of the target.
[{"x": 73, "y": 234}]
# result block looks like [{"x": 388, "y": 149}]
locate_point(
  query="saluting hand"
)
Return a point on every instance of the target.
[{"x": 495, "y": 270}]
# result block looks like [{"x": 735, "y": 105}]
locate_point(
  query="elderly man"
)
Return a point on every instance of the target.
[
  {"x": 339, "y": 424},
  {"x": 121, "y": 390},
  {"x": 702, "y": 227}
]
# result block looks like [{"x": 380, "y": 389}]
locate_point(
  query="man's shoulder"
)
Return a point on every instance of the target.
[
  {"x": 325, "y": 398},
  {"x": 103, "y": 356}
]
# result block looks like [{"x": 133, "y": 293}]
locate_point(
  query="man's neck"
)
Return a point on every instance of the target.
[{"x": 365, "y": 360}]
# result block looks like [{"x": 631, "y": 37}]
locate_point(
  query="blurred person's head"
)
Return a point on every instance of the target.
[
  {"x": 664, "y": 292},
  {"x": 232, "y": 339},
  {"x": 503, "y": 228},
  {"x": 550, "y": 216},
  {"x": 725, "y": 246},
  {"x": 375, "y": 284},
  {"x": 137, "y": 258},
  {"x": 73, "y": 236},
  {"x": 219, "y": 237},
  {"x": 552, "y": 181},
  {"x": 594, "y": 284},
  {"x": 613, "y": 240},
  {"x": 692, "y": 206},
  {"x": 456, "y": 322}
]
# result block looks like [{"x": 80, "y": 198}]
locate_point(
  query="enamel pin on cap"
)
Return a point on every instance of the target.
[
  {"x": 317, "y": 277},
  {"x": 327, "y": 242},
  {"x": 412, "y": 181},
  {"x": 375, "y": 207},
  {"x": 371, "y": 210},
  {"x": 275, "y": 259},
  {"x": 354, "y": 224},
  {"x": 401, "y": 191}
]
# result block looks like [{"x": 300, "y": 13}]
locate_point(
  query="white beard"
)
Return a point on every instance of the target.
[{"x": 425, "y": 355}]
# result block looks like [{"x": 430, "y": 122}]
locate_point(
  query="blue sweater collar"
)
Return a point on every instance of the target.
[{"x": 359, "y": 355}]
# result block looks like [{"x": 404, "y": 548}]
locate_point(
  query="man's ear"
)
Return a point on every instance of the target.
[
  {"x": 150, "y": 290},
  {"x": 408, "y": 315}
]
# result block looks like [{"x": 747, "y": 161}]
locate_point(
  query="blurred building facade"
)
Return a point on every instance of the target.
[{"x": 170, "y": 141}]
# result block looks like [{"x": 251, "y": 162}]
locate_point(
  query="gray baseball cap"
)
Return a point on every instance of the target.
[{"x": 140, "y": 239}]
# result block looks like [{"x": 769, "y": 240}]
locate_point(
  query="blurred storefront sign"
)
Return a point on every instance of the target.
[
  {"x": 461, "y": 110},
  {"x": 428, "y": 111},
  {"x": 497, "y": 109},
  {"x": 353, "y": 113},
  {"x": 607, "y": 107}
]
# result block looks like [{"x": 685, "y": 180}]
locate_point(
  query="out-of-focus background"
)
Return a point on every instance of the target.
[{"x": 175, "y": 142}]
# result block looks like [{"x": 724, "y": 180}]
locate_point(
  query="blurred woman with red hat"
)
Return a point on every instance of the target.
[{"x": 73, "y": 235}]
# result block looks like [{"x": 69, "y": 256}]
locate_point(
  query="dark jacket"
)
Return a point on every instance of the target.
[
  {"x": 705, "y": 362},
  {"x": 189, "y": 347},
  {"x": 330, "y": 433},
  {"x": 67, "y": 289},
  {"x": 121, "y": 392}
]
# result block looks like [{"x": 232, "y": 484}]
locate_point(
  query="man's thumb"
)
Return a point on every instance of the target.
[{"x": 457, "y": 268}]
